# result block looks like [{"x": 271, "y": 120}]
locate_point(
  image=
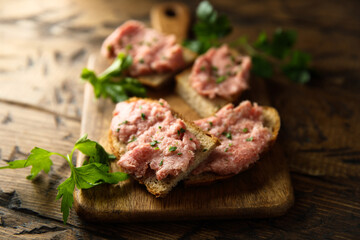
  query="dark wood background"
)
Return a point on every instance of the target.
[{"x": 45, "y": 44}]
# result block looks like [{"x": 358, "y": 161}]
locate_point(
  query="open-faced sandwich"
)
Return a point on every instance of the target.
[
  {"x": 155, "y": 145},
  {"x": 217, "y": 77},
  {"x": 156, "y": 57},
  {"x": 245, "y": 133}
]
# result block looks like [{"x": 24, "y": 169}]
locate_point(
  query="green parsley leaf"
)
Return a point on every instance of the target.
[
  {"x": 179, "y": 154},
  {"x": 209, "y": 27},
  {"x": 161, "y": 163},
  {"x": 204, "y": 150},
  {"x": 220, "y": 79},
  {"x": 132, "y": 139},
  {"x": 226, "y": 149},
  {"x": 94, "y": 150},
  {"x": 249, "y": 139},
  {"x": 124, "y": 122},
  {"x": 245, "y": 130},
  {"x": 172, "y": 148},
  {"x": 153, "y": 143},
  {"x": 181, "y": 131},
  {"x": 297, "y": 68},
  {"x": 143, "y": 116},
  {"x": 227, "y": 135},
  {"x": 108, "y": 84},
  {"x": 95, "y": 170},
  {"x": 66, "y": 191},
  {"x": 261, "y": 67},
  {"x": 39, "y": 159}
]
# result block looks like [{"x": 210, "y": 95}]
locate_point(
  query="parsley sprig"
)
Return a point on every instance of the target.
[
  {"x": 209, "y": 27},
  {"x": 277, "y": 54},
  {"x": 268, "y": 55},
  {"x": 112, "y": 83},
  {"x": 93, "y": 172}
]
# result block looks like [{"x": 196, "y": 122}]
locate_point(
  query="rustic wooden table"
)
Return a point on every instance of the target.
[{"x": 45, "y": 44}]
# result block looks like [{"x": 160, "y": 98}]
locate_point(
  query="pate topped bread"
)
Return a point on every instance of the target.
[
  {"x": 156, "y": 57},
  {"x": 155, "y": 145},
  {"x": 245, "y": 133},
  {"x": 217, "y": 77}
]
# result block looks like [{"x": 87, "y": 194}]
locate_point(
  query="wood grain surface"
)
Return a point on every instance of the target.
[{"x": 45, "y": 44}]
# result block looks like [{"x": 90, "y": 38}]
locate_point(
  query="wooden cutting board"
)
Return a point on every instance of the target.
[{"x": 263, "y": 191}]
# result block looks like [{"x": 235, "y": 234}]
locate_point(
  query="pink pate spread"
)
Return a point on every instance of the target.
[
  {"x": 151, "y": 51},
  {"x": 242, "y": 135},
  {"x": 156, "y": 140},
  {"x": 219, "y": 73}
]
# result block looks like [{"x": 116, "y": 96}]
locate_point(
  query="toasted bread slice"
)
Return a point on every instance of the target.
[
  {"x": 202, "y": 105},
  {"x": 157, "y": 80},
  {"x": 271, "y": 120},
  {"x": 161, "y": 188}
]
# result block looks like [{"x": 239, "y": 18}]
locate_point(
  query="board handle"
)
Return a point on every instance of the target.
[{"x": 171, "y": 18}]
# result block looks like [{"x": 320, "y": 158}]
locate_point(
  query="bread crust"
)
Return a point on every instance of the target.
[
  {"x": 271, "y": 120},
  {"x": 162, "y": 188}
]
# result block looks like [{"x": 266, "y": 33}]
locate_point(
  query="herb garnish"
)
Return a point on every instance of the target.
[
  {"x": 118, "y": 90},
  {"x": 159, "y": 127},
  {"x": 143, "y": 116},
  {"x": 128, "y": 47},
  {"x": 124, "y": 122},
  {"x": 209, "y": 27},
  {"x": 93, "y": 172},
  {"x": 267, "y": 55},
  {"x": 132, "y": 139},
  {"x": 249, "y": 139},
  {"x": 179, "y": 154},
  {"x": 227, "y": 135},
  {"x": 226, "y": 149},
  {"x": 245, "y": 130},
  {"x": 172, "y": 148},
  {"x": 211, "y": 124},
  {"x": 161, "y": 163},
  {"x": 204, "y": 150},
  {"x": 220, "y": 79},
  {"x": 153, "y": 143},
  {"x": 141, "y": 60},
  {"x": 181, "y": 131}
]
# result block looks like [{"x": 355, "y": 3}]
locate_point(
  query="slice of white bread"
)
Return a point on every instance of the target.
[
  {"x": 160, "y": 188},
  {"x": 271, "y": 120},
  {"x": 157, "y": 80}
]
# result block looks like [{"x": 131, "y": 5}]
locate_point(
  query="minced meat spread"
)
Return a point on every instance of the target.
[
  {"x": 155, "y": 139},
  {"x": 242, "y": 135},
  {"x": 220, "y": 73},
  {"x": 151, "y": 51}
]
